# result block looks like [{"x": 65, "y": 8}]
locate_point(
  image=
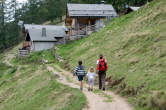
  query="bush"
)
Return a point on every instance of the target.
[{"x": 158, "y": 100}]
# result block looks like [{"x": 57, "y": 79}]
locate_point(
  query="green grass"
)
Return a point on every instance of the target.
[
  {"x": 36, "y": 58},
  {"x": 29, "y": 85},
  {"x": 3, "y": 69},
  {"x": 135, "y": 47}
]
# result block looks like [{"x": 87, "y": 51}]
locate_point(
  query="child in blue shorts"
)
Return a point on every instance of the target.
[{"x": 81, "y": 73}]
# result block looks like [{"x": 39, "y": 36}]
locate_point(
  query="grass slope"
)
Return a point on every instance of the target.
[
  {"x": 135, "y": 47},
  {"x": 28, "y": 85}
]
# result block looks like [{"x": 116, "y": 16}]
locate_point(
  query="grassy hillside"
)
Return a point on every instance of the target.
[
  {"x": 135, "y": 47},
  {"x": 28, "y": 85}
]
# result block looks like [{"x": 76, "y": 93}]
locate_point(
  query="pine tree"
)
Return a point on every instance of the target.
[
  {"x": 2, "y": 24},
  {"x": 14, "y": 15}
]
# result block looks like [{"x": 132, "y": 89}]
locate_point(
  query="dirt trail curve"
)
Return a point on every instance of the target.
[
  {"x": 95, "y": 101},
  {"x": 9, "y": 55}
]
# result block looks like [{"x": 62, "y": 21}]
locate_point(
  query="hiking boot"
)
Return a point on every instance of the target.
[{"x": 103, "y": 89}]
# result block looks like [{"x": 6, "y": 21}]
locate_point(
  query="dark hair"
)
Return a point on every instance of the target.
[
  {"x": 101, "y": 56},
  {"x": 80, "y": 62}
]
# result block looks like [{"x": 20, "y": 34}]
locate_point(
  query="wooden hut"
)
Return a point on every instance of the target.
[
  {"x": 42, "y": 37},
  {"x": 83, "y": 19}
]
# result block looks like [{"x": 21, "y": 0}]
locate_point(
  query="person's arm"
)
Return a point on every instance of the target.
[
  {"x": 97, "y": 69},
  {"x": 105, "y": 59},
  {"x": 75, "y": 71},
  {"x": 94, "y": 75},
  {"x": 87, "y": 74},
  {"x": 106, "y": 67},
  {"x": 84, "y": 71},
  {"x": 97, "y": 62},
  {"x": 106, "y": 63}
]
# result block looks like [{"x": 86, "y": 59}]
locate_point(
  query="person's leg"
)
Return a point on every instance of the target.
[
  {"x": 92, "y": 88},
  {"x": 88, "y": 85},
  {"x": 103, "y": 76},
  {"x": 100, "y": 83},
  {"x": 92, "y": 85},
  {"x": 80, "y": 78},
  {"x": 81, "y": 85}
]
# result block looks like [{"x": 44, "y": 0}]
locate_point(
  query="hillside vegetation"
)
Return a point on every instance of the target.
[
  {"x": 135, "y": 47},
  {"x": 39, "y": 12},
  {"x": 28, "y": 85}
]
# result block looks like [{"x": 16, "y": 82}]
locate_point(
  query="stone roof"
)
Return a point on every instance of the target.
[
  {"x": 94, "y": 10},
  {"x": 134, "y": 8},
  {"x": 52, "y": 32},
  {"x": 36, "y": 35}
]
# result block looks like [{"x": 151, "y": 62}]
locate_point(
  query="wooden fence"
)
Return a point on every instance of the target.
[
  {"x": 83, "y": 31},
  {"x": 22, "y": 53}
]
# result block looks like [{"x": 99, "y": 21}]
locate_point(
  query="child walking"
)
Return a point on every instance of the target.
[
  {"x": 91, "y": 78},
  {"x": 81, "y": 73}
]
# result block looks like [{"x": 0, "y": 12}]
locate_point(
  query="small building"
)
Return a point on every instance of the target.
[
  {"x": 43, "y": 37},
  {"x": 130, "y": 9},
  {"x": 83, "y": 19}
]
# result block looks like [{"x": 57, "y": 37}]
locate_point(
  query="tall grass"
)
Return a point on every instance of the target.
[{"x": 135, "y": 47}]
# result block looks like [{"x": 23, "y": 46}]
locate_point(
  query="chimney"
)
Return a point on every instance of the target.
[
  {"x": 43, "y": 32},
  {"x": 102, "y": 2}
]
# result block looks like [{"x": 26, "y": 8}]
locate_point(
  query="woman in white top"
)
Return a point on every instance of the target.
[{"x": 91, "y": 78}]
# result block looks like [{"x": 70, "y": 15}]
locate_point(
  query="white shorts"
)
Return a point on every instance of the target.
[{"x": 91, "y": 82}]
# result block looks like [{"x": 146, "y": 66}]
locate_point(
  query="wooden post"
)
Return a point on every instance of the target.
[
  {"x": 73, "y": 26},
  {"x": 77, "y": 24},
  {"x": 73, "y": 22},
  {"x": 89, "y": 26},
  {"x": 71, "y": 32},
  {"x": 86, "y": 30}
]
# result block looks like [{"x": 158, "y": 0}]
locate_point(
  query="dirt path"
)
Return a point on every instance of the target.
[
  {"x": 9, "y": 55},
  {"x": 95, "y": 101},
  {"x": 8, "y": 58}
]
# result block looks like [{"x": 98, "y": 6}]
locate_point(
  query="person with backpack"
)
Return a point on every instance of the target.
[
  {"x": 101, "y": 71},
  {"x": 81, "y": 73}
]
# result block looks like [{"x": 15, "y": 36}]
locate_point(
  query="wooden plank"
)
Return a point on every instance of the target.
[
  {"x": 23, "y": 55},
  {"x": 23, "y": 51}
]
